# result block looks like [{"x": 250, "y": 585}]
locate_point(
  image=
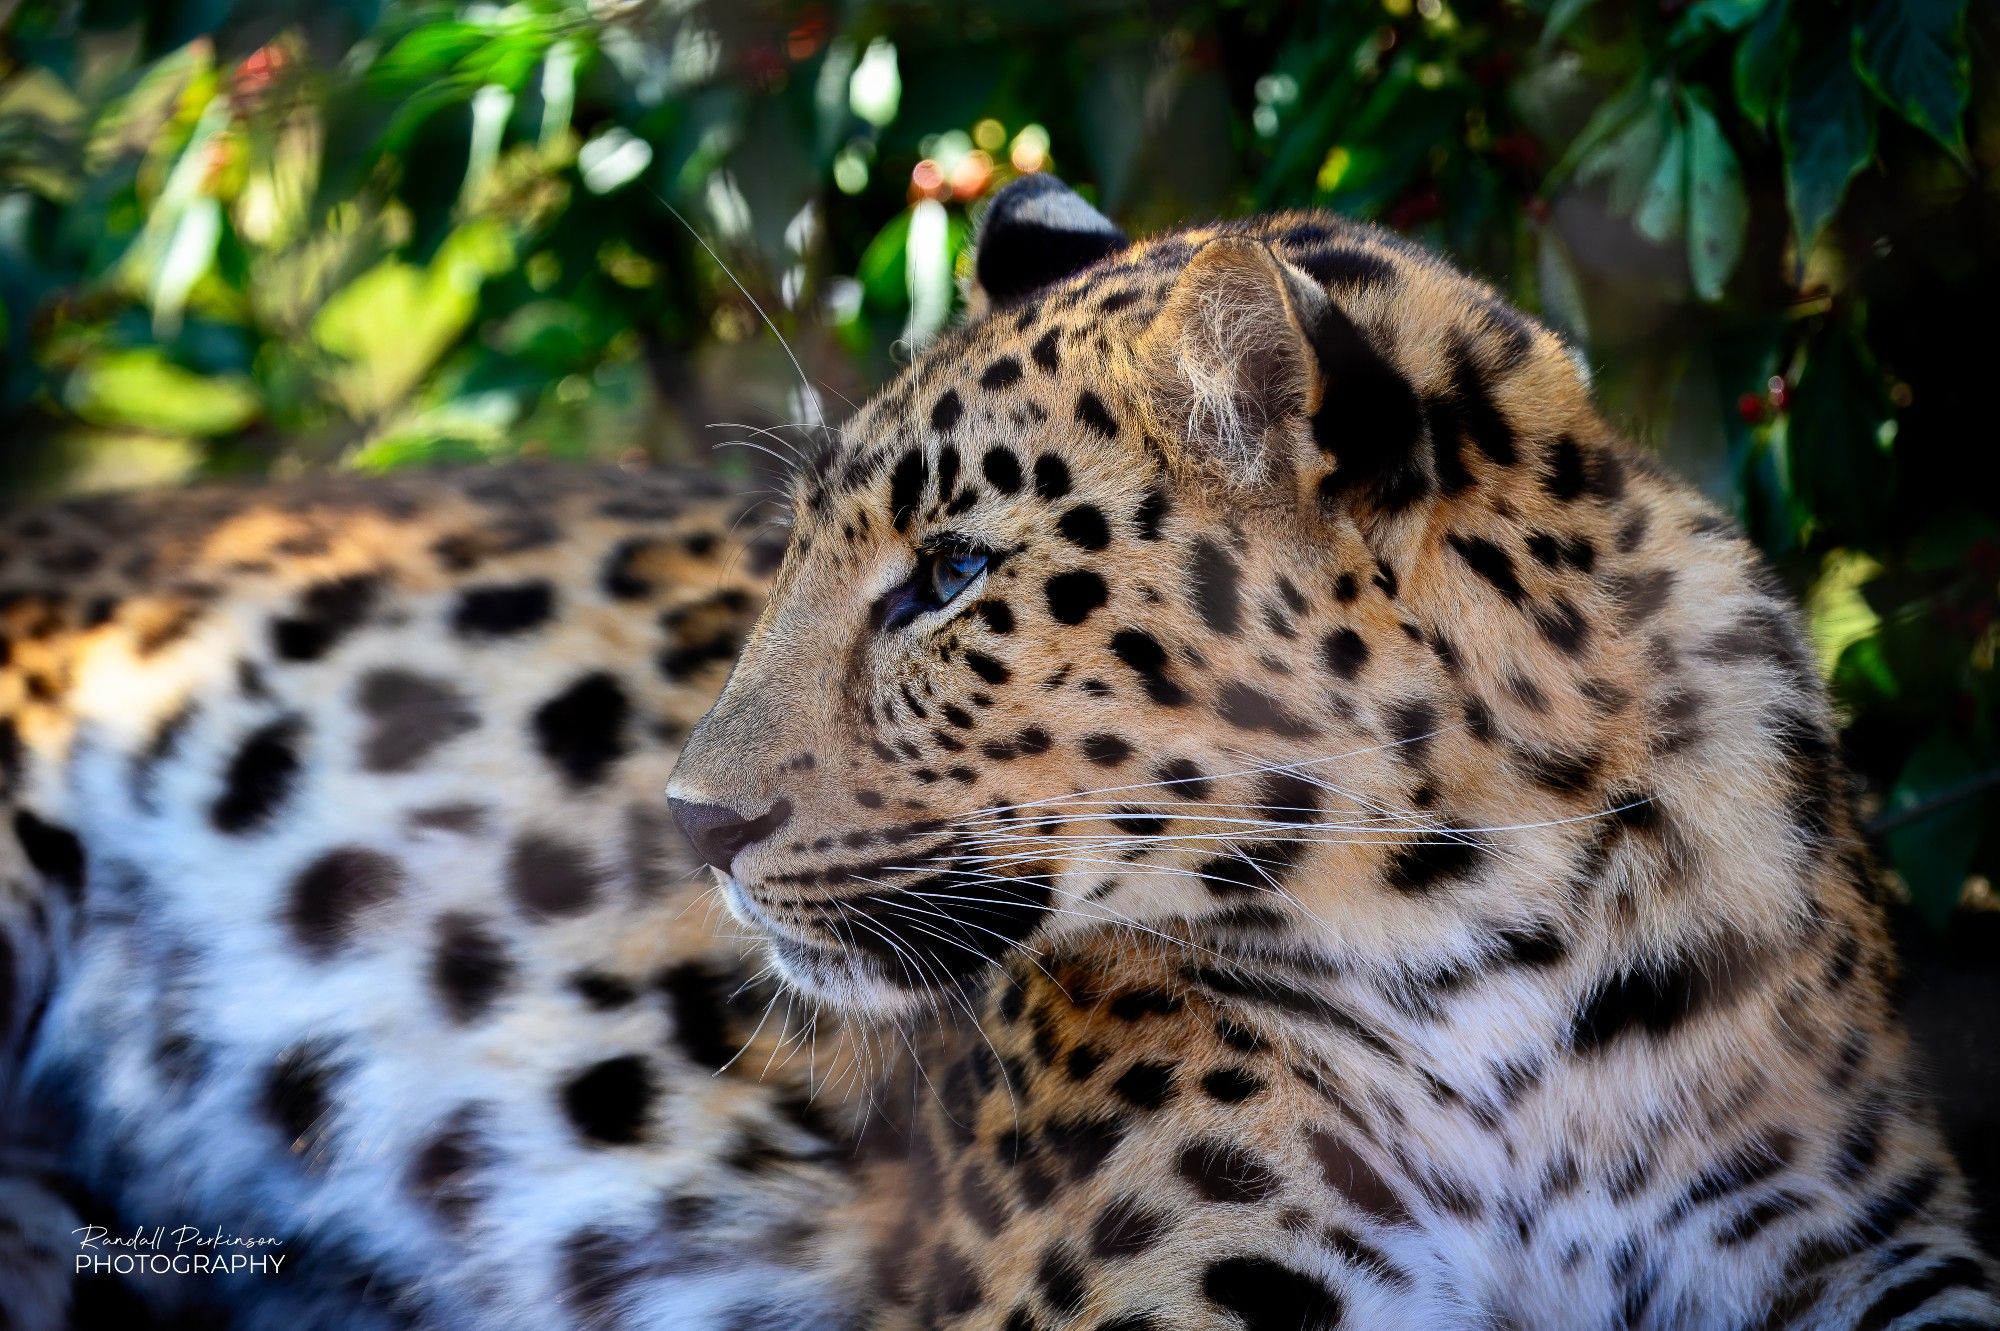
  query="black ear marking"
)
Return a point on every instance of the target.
[
  {"x": 1369, "y": 419},
  {"x": 1038, "y": 231}
]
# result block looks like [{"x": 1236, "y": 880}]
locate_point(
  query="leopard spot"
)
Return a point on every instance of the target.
[
  {"x": 330, "y": 895},
  {"x": 609, "y": 1101},
  {"x": 550, "y": 878}
]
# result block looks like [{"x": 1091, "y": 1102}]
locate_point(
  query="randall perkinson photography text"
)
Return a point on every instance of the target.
[{"x": 176, "y": 1250}]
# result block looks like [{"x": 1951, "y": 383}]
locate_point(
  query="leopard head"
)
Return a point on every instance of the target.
[{"x": 1231, "y": 586}]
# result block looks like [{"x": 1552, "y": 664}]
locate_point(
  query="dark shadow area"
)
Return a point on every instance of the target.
[{"x": 1951, "y": 988}]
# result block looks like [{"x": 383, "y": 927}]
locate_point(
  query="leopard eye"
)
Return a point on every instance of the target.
[
  {"x": 941, "y": 575},
  {"x": 951, "y": 572}
]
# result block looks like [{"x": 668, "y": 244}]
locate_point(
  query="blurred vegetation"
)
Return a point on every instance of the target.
[{"x": 239, "y": 236}]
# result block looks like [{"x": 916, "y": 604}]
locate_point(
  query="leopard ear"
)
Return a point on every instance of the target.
[
  {"x": 1036, "y": 231},
  {"x": 1230, "y": 360}
]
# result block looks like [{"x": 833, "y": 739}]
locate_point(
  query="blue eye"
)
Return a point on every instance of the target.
[
  {"x": 942, "y": 574},
  {"x": 951, "y": 572}
]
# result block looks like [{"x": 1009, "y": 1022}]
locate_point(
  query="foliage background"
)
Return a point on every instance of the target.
[{"x": 247, "y": 237}]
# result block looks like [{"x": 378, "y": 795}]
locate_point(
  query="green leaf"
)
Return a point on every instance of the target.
[
  {"x": 1382, "y": 165},
  {"x": 1328, "y": 73},
  {"x": 875, "y": 87},
  {"x": 1760, "y": 62},
  {"x": 1838, "y": 614},
  {"x": 1717, "y": 208},
  {"x": 1839, "y": 465},
  {"x": 141, "y": 389},
  {"x": 416, "y": 450},
  {"x": 1386, "y": 143},
  {"x": 1662, "y": 208},
  {"x": 930, "y": 256},
  {"x": 1111, "y": 110},
  {"x": 468, "y": 55},
  {"x": 1628, "y": 149},
  {"x": 1826, "y": 125},
  {"x": 430, "y": 52},
  {"x": 188, "y": 254},
  {"x": 1722, "y": 15},
  {"x": 1934, "y": 852},
  {"x": 1612, "y": 117},
  {"x": 1912, "y": 55},
  {"x": 1863, "y": 677},
  {"x": 1563, "y": 15},
  {"x": 1706, "y": 19},
  {"x": 880, "y": 270},
  {"x": 390, "y": 325}
]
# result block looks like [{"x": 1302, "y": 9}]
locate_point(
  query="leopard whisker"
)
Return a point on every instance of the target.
[
  {"x": 1257, "y": 866},
  {"x": 1454, "y": 831},
  {"x": 1032, "y": 954},
  {"x": 784, "y": 1024},
  {"x": 1128, "y": 812},
  {"x": 944, "y": 938},
  {"x": 811, "y": 398},
  {"x": 1222, "y": 838},
  {"x": 792, "y": 450},
  {"x": 966, "y": 1005},
  {"x": 1261, "y": 769},
  {"x": 1109, "y": 916},
  {"x": 896, "y": 949},
  {"x": 781, "y": 459},
  {"x": 934, "y": 980},
  {"x": 751, "y": 980},
  {"x": 755, "y": 1031}
]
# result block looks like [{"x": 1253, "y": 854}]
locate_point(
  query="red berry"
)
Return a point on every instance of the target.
[{"x": 1751, "y": 408}]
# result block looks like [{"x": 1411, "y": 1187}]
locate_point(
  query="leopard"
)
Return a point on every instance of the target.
[
  {"x": 1226, "y": 795},
  {"x": 1387, "y": 835}
]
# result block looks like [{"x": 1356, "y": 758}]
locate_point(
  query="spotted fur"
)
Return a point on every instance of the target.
[
  {"x": 1383, "y": 838},
  {"x": 339, "y": 906},
  {"x": 1362, "y": 849}
]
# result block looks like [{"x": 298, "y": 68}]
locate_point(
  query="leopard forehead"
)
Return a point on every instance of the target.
[{"x": 1059, "y": 361}]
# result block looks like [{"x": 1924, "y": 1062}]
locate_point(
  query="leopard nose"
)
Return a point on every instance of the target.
[{"x": 719, "y": 834}]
